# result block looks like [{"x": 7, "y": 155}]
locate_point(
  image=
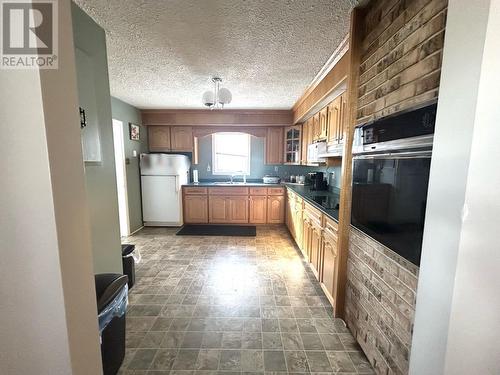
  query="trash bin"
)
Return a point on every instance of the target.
[
  {"x": 129, "y": 258},
  {"x": 112, "y": 297}
]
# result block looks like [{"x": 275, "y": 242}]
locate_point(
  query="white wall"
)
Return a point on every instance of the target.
[
  {"x": 474, "y": 338},
  {"x": 48, "y": 322},
  {"x": 457, "y": 313}
]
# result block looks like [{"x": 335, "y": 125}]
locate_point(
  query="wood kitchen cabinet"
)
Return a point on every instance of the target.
[
  {"x": 323, "y": 123},
  {"x": 336, "y": 113},
  {"x": 297, "y": 218},
  {"x": 237, "y": 209},
  {"x": 275, "y": 209},
  {"x": 329, "y": 264},
  {"x": 258, "y": 210},
  {"x": 289, "y": 212},
  {"x": 181, "y": 138},
  {"x": 316, "y": 127},
  {"x": 294, "y": 217},
  {"x": 314, "y": 239},
  {"x": 159, "y": 138},
  {"x": 305, "y": 142},
  {"x": 316, "y": 235},
  {"x": 218, "y": 209},
  {"x": 292, "y": 145},
  {"x": 306, "y": 237},
  {"x": 274, "y": 146},
  {"x": 195, "y": 209},
  {"x": 234, "y": 205}
]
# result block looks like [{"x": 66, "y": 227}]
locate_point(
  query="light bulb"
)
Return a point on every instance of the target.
[
  {"x": 225, "y": 96},
  {"x": 208, "y": 98}
]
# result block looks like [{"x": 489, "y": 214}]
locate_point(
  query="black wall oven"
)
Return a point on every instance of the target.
[{"x": 391, "y": 166}]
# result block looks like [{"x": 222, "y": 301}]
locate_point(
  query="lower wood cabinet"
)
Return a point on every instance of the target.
[
  {"x": 329, "y": 269},
  {"x": 238, "y": 209},
  {"x": 218, "y": 209},
  {"x": 316, "y": 236},
  {"x": 258, "y": 209},
  {"x": 306, "y": 238},
  {"x": 196, "y": 209},
  {"x": 276, "y": 209},
  {"x": 234, "y": 205},
  {"x": 315, "y": 250}
]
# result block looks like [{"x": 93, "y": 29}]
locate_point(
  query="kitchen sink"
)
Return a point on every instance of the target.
[{"x": 229, "y": 183}]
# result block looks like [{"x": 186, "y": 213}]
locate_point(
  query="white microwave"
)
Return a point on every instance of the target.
[{"x": 314, "y": 150}]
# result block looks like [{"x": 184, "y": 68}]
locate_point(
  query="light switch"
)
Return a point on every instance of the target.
[{"x": 134, "y": 153}]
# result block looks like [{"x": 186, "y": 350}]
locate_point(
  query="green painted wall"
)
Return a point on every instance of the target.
[
  {"x": 100, "y": 176},
  {"x": 126, "y": 114}
]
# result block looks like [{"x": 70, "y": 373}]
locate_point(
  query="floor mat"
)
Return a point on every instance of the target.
[{"x": 218, "y": 230}]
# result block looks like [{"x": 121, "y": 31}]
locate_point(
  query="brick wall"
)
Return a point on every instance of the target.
[
  {"x": 401, "y": 54},
  {"x": 380, "y": 303}
]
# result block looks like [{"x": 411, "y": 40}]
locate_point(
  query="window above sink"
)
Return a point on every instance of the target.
[{"x": 231, "y": 154}]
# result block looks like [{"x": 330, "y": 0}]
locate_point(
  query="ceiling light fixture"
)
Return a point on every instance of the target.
[{"x": 217, "y": 98}]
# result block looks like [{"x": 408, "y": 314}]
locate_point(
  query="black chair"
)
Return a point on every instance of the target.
[{"x": 110, "y": 290}]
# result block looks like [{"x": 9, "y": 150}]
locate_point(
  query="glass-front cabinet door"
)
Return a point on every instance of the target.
[{"x": 292, "y": 144}]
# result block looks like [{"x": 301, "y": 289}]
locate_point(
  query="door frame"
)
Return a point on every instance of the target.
[{"x": 121, "y": 173}]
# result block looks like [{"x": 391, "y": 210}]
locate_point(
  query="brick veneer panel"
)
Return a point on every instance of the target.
[
  {"x": 380, "y": 303},
  {"x": 401, "y": 56}
]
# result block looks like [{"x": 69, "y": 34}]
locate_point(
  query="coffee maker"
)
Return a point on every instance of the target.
[{"x": 318, "y": 181}]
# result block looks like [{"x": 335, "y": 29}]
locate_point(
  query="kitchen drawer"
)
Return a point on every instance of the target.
[
  {"x": 331, "y": 227},
  {"x": 298, "y": 201},
  {"x": 258, "y": 191},
  {"x": 313, "y": 213},
  {"x": 237, "y": 190},
  {"x": 276, "y": 191},
  {"x": 191, "y": 190}
]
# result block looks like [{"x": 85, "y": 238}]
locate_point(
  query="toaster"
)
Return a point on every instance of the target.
[{"x": 271, "y": 179}]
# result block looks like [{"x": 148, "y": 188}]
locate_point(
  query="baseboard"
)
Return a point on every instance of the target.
[{"x": 137, "y": 230}]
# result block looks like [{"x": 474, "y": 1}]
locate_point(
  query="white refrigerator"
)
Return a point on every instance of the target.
[{"x": 162, "y": 176}]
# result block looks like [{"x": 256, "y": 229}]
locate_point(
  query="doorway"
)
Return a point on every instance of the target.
[{"x": 121, "y": 177}]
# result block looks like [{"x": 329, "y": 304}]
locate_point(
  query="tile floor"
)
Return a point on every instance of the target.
[{"x": 231, "y": 305}]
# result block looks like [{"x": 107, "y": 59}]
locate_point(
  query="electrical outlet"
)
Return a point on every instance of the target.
[
  {"x": 276, "y": 168},
  {"x": 208, "y": 167}
]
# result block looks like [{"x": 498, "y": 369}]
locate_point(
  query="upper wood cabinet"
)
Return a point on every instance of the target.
[
  {"x": 343, "y": 114},
  {"x": 195, "y": 209},
  {"x": 258, "y": 209},
  {"x": 293, "y": 146},
  {"x": 316, "y": 127},
  {"x": 182, "y": 138},
  {"x": 276, "y": 209},
  {"x": 159, "y": 138},
  {"x": 305, "y": 142},
  {"x": 323, "y": 123},
  {"x": 336, "y": 110},
  {"x": 274, "y": 145}
]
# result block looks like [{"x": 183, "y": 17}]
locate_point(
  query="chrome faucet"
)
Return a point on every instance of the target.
[{"x": 235, "y": 174}]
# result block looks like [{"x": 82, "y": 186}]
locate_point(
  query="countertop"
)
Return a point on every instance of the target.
[
  {"x": 308, "y": 195},
  {"x": 222, "y": 184},
  {"x": 303, "y": 190}
]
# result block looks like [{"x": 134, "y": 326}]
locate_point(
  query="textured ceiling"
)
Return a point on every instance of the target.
[{"x": 161, "y": 54}]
